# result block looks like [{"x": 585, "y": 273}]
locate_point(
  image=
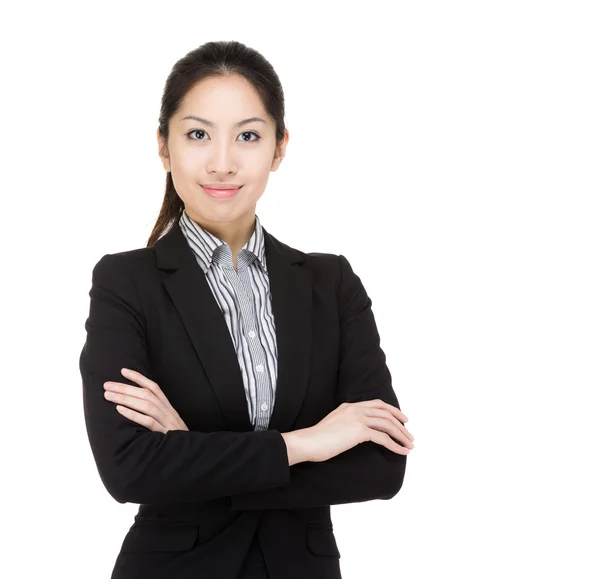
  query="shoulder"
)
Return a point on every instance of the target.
[
  {"x": 335, "y": 271},
  {"x": 314, "y": 261},
  {"x": 332, "y": 269},
  {"x": 132, "y": 259},
  {"x": 332, "y": 264},
  {"x": 123, "y": 271},
  {"x": 338, "y": 267},
  {"x": 319, "y": 260},
  {"x": 335, "y": 267}
]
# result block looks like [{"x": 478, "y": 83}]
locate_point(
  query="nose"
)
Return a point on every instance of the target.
[{"x": 222, "y": 159}]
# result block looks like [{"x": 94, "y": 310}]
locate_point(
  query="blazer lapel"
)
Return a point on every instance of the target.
[{"x": 291, "y": 297}]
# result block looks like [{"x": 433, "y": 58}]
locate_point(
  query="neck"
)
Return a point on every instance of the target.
[{"x": 234, "y": 233}]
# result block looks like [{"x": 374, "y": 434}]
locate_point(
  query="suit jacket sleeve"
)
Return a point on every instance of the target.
[
  {"x": 138, "y": 465},
  {"x": 367, "y": 471}
]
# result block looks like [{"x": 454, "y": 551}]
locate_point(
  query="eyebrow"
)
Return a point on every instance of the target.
[{"x": 211, "y": 124}]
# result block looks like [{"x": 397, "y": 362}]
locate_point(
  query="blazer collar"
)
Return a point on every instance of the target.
[{"x": 291, "y": 296}]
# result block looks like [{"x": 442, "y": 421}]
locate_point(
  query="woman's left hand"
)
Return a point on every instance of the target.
[{"x": 147, "y": 405}]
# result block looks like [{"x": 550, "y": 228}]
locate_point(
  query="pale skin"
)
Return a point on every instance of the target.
[
  {"x": 208, "y": 151},
  {"x": 235, "y": 142},
  {"x": 349, "y": 424}
]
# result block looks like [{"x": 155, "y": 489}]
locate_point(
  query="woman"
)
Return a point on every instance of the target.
[{"x": 234, "y": 386}]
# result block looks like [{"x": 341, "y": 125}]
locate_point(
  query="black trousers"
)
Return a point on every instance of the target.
[{"x": 254, "y": 565}]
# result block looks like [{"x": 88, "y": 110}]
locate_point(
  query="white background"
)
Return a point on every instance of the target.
[{"x": 450, "y": 150}]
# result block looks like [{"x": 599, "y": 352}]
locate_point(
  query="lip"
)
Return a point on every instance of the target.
[
  {"x": 219, "y": 185},
  {"x": 221, "y": 190}
]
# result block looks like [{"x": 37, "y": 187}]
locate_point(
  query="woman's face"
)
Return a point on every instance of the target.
[{"x": 221, "y": 148}]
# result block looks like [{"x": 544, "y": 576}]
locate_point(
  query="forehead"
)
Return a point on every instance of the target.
[{"x": 222, "y": 98}]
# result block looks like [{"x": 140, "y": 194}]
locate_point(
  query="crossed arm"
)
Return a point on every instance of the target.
[{"x": 140, "y": 466}]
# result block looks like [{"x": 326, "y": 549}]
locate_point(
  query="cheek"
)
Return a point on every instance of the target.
[
  {"x": 260, "y": 167},
  {"x": 186, "y": 163},
  {"x": 256, "y": 160}
]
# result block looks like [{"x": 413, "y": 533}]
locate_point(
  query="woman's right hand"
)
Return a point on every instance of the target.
[{"x": 350, "y": 424}]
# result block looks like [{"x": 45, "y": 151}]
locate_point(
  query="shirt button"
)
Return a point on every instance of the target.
[
  {"x": 264, "y": 406},
  {"x": 252, "y": 334},
  {"x": 260, "y": 367}
]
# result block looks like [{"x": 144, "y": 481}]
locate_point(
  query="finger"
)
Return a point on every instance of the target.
[
  {"x": 384, "y": 440},
  {"x": 145, "y": 382},
  {"x": 395, "y": 411},
  {"x": 385, "y": 425},
  {"x": 372, "y": 411},
  {"x": 142, "y": 419},
  {"x": 401, "y": 426},
  {"x": 147, "y": 389},
  {"x": 135, "y": 392},
  {"x": 142, "y": 405},
  {"x": 377, "y": 402}
]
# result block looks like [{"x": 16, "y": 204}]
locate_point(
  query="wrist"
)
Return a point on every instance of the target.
[{"x": 296, "y": 446}]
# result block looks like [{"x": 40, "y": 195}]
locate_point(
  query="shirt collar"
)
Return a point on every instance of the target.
[{"x": 203, "y": 243}]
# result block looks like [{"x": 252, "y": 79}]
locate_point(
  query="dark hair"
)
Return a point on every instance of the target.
[{"x": 220, "y": 58}]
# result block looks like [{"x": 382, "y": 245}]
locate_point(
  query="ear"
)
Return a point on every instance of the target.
[
  {"x": 280, "y": 151},
  {"x": 163, "y": 151}
]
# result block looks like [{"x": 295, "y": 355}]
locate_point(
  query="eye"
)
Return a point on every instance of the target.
[
  {"x": 251, "y": 133},
  {"x": 196, "y": 131}
]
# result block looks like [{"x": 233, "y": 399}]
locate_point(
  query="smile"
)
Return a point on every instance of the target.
[{"x": 221, "y": 193}]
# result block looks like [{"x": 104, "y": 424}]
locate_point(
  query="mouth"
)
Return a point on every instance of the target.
[{"x": 221, "y": 193}]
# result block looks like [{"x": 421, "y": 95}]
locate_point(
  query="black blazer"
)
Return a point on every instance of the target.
[{"x": 204, "y": 492}]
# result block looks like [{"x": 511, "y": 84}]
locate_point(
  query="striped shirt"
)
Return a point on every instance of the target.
[{"x": 245, "y": 299}]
